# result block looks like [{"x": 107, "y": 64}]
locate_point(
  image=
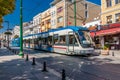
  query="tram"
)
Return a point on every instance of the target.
[
  {"x": 15, "y": 42},
  {"x": 70, "y": 40}
]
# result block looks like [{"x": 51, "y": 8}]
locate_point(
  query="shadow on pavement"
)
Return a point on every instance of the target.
[
  {"x": 5, "y": 52},
  {"x": 84, "y": 68},
  {"x": 18, "y": 69}
]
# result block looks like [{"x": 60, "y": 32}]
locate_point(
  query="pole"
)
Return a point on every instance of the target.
[
  {"x": 75, "y": 12},
  {"x": 8, "y": 40},
  {"x": 21, "y": 31},
  {"x": 7, "y": 34}
]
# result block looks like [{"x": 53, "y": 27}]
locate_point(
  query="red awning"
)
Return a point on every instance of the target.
[
  {"x": 105, "y": 32},
  {"x": 115, "y": 25}
]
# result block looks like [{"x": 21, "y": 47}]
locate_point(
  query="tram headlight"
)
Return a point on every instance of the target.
[
  {"x": 86, "y": 51},
  {"x": 82, "y": 51},
  {"x": 91, "y": 51}
]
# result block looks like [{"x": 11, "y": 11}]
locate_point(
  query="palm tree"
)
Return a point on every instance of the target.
[{"x": 6, "y": 7}]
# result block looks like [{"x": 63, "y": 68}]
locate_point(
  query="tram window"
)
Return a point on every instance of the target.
[
  {"x": 49, "y": 40},
  {"x": 72, "y": 40},
  {"x": 56, "y": 39},
  {"x": 26, "y": 41},
  {"x": 36, "y": 41},
  {"x": 44, "y": 41},
  {"x": 62, "y": 40},
  {"x": 31, "y": 41}
]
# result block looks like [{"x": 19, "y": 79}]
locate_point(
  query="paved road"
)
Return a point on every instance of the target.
[
  {"x": 81, "y": 68},
  {"x": 13, "y": 67},
  {"x": 84, "y": 69}
]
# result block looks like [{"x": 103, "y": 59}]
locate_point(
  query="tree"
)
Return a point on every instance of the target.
[
  {"x": 16, "y": 36},
  {"x": 6, "y": 7},
  {"x": 8, "y": 33},
  {"x": 1, "y": 26}
]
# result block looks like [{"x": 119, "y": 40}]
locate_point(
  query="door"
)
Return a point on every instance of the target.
[{"x": 71, "y": 42}]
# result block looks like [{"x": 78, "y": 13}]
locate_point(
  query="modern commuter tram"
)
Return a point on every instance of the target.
[
  {"x": 15, "y": 42},
  {"x": 69, "y": 40}
]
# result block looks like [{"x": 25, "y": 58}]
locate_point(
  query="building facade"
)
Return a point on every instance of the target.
[
  {"x": 85, "y": 12},
  {"x": 110, "y": 11},
  {"x": 109, "y": 33},
  {"x": 16, "y": 31},
  {"x": 53, "y": 17},
  {"x": 45, "y": 20},
  {"x": 28, "y": 28},
  {"x": 36, "y": 23}
]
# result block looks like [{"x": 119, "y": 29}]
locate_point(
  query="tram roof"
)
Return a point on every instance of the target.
[{"x": 74, "y": 28}]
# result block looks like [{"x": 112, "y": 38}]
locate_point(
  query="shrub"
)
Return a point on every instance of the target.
[{"x": 106, "y": 47}]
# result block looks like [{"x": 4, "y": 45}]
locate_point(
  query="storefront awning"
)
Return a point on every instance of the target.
[
  {"x": 105, "y": 32},
  {"x": 114, "y": 25}
]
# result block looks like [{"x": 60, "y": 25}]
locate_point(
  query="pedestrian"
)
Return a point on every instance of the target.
[{"x": 0, "y": 44}]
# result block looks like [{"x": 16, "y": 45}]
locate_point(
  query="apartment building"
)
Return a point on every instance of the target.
[
  {"x": 28, "y": 28},
  {"x": 85, "y": 12},
  {"x": 110, "y": 11},
  {"x": 36, "y": 23},
  {"x": 16, "y": 31},
  {"x": 45, "y": 20},
  {"x": 53, "y": 14},
  {"x": 109, "y": 33},
  {"x": 60, "y": 12}
]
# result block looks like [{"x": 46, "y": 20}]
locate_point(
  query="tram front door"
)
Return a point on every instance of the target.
[{"x": 71, "y": 42}]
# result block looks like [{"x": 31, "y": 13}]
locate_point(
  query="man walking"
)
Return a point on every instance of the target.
[{"x": 0, "y": 44}]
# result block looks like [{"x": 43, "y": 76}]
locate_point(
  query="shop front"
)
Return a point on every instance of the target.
[{"x": 108, "y": 37}]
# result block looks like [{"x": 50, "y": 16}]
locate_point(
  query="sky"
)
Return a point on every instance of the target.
[{"x": 30, "y": 9}]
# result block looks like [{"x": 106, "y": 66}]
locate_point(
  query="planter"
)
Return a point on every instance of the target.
[{"x": 105, "y": 52}]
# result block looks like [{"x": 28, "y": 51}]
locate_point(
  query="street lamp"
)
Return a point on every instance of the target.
[
  {"x": 21, "y": 31},
  {"x": 7, "y": 32}
]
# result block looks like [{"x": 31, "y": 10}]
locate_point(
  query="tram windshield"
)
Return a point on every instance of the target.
[{"x": 85, "y": 39}]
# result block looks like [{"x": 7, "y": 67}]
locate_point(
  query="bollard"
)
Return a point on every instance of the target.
[
  {"x": 33, "y": 63},
  {"x": 63, "y": 75},
  {"x": 113, "y": 54},
  {"x": 23, "y": 55},
  {"x": 27, "y": 58},
  {"x": 108, "y": 53},
  {"x": 44, "y": 67}
]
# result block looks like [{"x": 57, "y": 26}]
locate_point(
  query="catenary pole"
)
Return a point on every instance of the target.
[
  {"x": 21, "y": 30},
  {"x": 75, "y": 12}
]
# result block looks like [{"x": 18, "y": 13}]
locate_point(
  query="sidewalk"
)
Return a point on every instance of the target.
[
  {"x": 13, "y": 67},
  {"x": 112, "y": 53}
]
